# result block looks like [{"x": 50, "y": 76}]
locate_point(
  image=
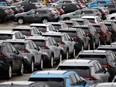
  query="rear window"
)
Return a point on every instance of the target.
[
  {"x": 41, "y": 28},
  {"x": 92, "y": 20},
  {"x": 19, "y": 46},
  {"x": 70, "y": 33},
  {"x": 23, "y": 31},
  {"x": 109, "y": 26},
  {"x": 81, "y": 70},
  {"x": 101, "y": 58},
  {"x": 97, "y": 27},
  {"x": 5, "y": 36},
  {"x": 57, "y": 26},
  {"x": 40, "y": 43},
  {"x": 52, "y": 82}
]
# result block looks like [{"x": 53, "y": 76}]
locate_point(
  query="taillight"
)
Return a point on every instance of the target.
[
  {"x": 76, "y": 37},
  {"x": 24, "y": 50},
  {"x": 106, "y": 65},
  {"x": 61, "y": 42},
  {"x": 88, "y": 33},
  {"x": 44, "y": 47},
  {"x": 90, "y": 77},
  {"x": 52, "y": 15},
  {"x": 97, "y": 14},
  {"x": 1, "y": 54}
]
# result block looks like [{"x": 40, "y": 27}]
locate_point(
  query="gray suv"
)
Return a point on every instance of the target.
[
  {"x": 36, "y": 15},
  {"x": 106, "y": 58}
]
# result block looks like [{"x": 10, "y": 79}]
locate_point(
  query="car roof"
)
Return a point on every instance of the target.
[
  {"x": 39, "y": 24},
  {"x": 51, "y": 74},
  {"x": 81, "y": 26},
  {"x": 89, "y": 17},
  {"x": 54, "y": 33},
  {"x": 37, "y": 38},
  {"x": 107, "y": 46},
  {"x": 54, "y": 23},
  {"x": 93, "y": 52},
  {"x": 23, "y": 27},
  {"x": 70, "y": 29},
  {"x": 8, "y": 32},
  {"x": 77, "y": 62},
  {"x": 108, "y": 84},
  {"x": 17, "y": 41},
  {"x": 17, "y": 83}
]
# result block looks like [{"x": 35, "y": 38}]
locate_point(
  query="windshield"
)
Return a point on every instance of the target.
[
  {"x": 19, "y": 46},
  {"x": 101, "y": 58},
  {"x": 57, "y": 26},
  {"x": 41, "y": 28},
  {"x": 40, "y": 43},
  {"x": 70, "y": 33},
  {"x": 81, "y": 70},
  {"x": 5, "y": 36},
  {"x": 52, "y": 82},
  {"x": 24, "y": 31}
]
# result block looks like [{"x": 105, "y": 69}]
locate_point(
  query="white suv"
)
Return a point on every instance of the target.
[{"x": 91, "y": 70}]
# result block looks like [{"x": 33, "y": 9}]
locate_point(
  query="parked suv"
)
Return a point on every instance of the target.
[
  {"x": 59, "y": 78},
  {"x": 52, "y": 50},
  {"x": 63, "y": 40},
  {"x": 36, "y": 15},
  {"x": 91, "y": 32},
  {"x": 44, "y": 27},
  {"x": 11, "y": 61},
  {"x": 27, "y": 30},
  {"x": 82, "y": 41},
  {"x": 106, "y": 58},
  {"x": 91, "y": 70},
  {"x": 9, "y": 34}
]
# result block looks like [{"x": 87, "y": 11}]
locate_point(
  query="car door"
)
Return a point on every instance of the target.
[
  {"x": 54, "y": 47},
  {"x": 77, "y": 14},
  {"x": 69, "y": 43},
  {"x": 14, "y": 56},
  {"x": 30, "y": 16}
]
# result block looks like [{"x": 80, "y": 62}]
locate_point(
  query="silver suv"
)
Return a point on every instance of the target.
[
  {"x": 63, "y": 39},
  {"x": 47, "y": 45},
  {"x": 27, "y": 30},
  {"x": 106, "y": 58},
  {"x": 91, "y": 70}
]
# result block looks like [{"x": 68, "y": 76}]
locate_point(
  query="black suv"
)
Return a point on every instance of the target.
[
  {"x": 37, "y": 15},
  {"x": 11, "y": 61}
]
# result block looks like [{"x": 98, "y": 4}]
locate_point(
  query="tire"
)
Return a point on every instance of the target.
[
  {"x": 89, "y": 47},
  {"x": 74, "y": 53},
  {"x": 20, "y": 21},
  {"x": 9, "y": 72},
  {"x": 67, "y": 54},
  {"x": 41, "y": 65},
  {"x": 31, "y": 67},
  {"x": 51, "y": 62},
  {"x": 21, "y": 70},
  {"x": 44, "y": 20}
]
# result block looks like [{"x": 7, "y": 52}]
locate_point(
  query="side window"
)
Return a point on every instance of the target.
[
  {"x": 9, "y": 48},
  {"x": 17, "y": 35},
  {"x": 30, "y": 45},
  {"x": 112, "y": 18},
  {"x": 73, "y": 80}
]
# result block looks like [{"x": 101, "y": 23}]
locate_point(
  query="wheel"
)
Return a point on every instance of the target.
[
  {"x": 60, "y": 59},
  {"x": 31, "y": 67},
  {"x": 9, "y": 72},
  {"x": 89, "y": 47},
  {"x": 41, "y": 64},
  {"x": 44, "y": 20},
  {"x": 21, "y": 70},
  {"x": 74, "y": 53},
  {"x": 67, "y": 55},
  {"x": 51, "y": 62},
  {"x": 20, "y": 21}
]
